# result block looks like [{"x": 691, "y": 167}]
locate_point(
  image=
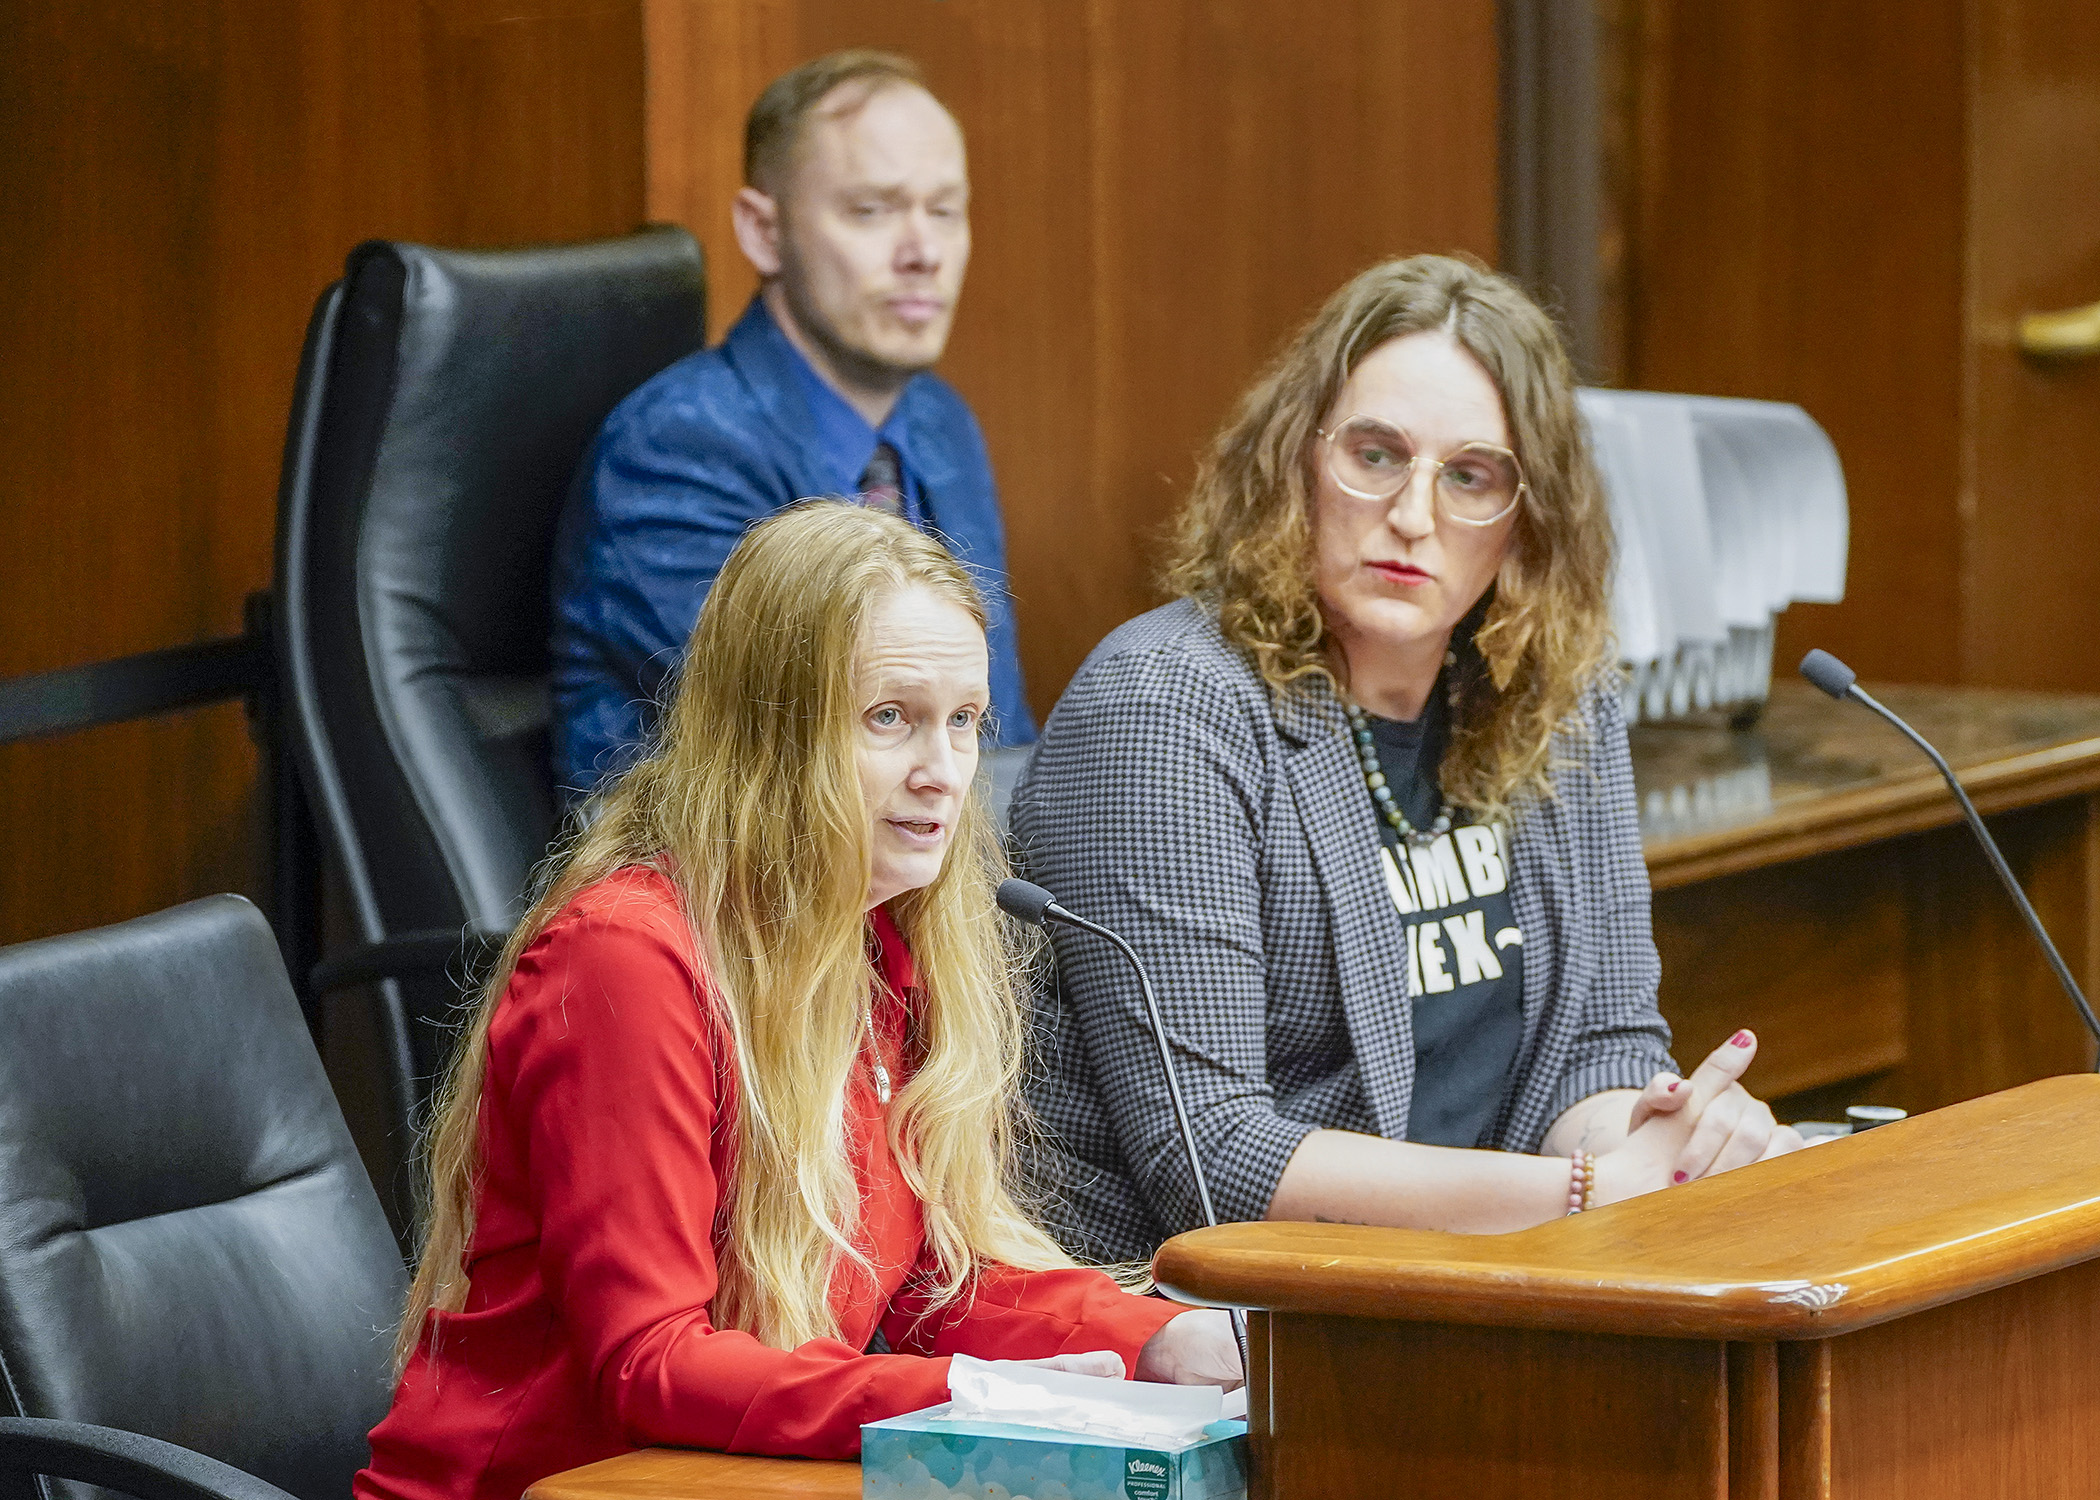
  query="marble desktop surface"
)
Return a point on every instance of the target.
[{"x": 1698, "y": 780}]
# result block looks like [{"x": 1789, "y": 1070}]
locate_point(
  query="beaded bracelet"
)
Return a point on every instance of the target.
[{"x": 1582, "y": 1180}]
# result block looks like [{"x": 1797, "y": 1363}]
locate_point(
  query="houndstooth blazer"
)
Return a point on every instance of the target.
[{"x": 1228, "y": 837}]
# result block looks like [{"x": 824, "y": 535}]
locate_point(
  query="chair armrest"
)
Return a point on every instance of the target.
[
  {"x": 70, "y": 699},
  {"x": 410, "y": 954},
  {"x": 124, "y": 1461}
]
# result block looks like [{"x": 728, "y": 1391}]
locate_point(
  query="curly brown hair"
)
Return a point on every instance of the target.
[{"x": 1541, "y": 635}]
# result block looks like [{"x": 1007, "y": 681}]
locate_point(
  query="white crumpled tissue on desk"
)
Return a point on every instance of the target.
[{"x": 1130, "y": 1411}]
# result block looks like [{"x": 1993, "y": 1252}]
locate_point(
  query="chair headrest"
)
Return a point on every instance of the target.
[
  {"x": 469, "y": 383},
  {"x": 449, "y": 397}
]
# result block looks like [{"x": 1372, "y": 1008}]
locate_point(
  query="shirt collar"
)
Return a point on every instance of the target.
[{"x": 844, "y": 441}]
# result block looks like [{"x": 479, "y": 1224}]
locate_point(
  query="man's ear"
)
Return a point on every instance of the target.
[{"x": 756, "y": 219}]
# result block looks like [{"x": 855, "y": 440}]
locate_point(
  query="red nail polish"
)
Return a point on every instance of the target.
[
  {"x": 1679, "y": 1177},
  {"x": 1673, "y": 1087},
  {"x": 1740, "y": 1039}
]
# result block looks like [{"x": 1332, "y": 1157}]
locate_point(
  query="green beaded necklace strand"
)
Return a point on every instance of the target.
[{"x": 1382, "y": 794}]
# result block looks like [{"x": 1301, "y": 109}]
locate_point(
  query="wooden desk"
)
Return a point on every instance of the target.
[
  {"x": 677, "y": 1474},
  {"x": 1913, "y": 1313},
  {"x": 1812, "y": 882}
]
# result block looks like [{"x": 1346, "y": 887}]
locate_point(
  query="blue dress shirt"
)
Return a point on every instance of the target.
[
  {"x": 682, "y": 467},
  {"x": 845, "y": 442}
]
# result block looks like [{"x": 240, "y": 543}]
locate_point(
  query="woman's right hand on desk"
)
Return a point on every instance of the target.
[{"x": 1682, "y": 1129}]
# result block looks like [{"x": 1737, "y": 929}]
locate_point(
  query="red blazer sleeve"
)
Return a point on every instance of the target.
[
  {"x": 1013, "y": 1314},
  {"x": 603, "y": 1061}
]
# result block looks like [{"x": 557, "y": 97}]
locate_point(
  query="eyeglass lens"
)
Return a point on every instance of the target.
[{"x": 1373, "y": 460}]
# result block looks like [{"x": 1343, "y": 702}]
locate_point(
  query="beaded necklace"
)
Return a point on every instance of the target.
[{"x": 1382, "y": 794}]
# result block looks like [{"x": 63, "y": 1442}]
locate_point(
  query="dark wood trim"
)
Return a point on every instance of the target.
[{"x": 1552, "y": 168}]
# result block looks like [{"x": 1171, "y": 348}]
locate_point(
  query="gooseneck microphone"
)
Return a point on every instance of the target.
[
  {"x": 1839, "y": 680},
  {"x": 1030, "y": 903}
]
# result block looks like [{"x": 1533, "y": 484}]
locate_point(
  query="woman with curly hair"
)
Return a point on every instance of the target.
[
  {"x": 722, "y": 1158},
  {"x": 1362, "y": 797}
]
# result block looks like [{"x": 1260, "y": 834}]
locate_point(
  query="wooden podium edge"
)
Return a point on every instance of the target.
[{"x": 1837, "y": 1238}]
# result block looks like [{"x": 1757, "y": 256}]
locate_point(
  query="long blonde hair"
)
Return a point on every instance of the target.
[
  {"x": 1541, "y": 635},
  {"x": 751, "y": 805}
]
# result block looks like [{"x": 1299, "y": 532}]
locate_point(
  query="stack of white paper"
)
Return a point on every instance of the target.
[{"x": 1726, "y": 511}]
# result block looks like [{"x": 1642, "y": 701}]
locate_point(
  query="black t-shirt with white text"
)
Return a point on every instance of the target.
[{"x": 1465, "y": 954}]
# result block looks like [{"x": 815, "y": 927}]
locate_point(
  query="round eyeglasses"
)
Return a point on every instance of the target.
[{"x": 1477, "y": 485}]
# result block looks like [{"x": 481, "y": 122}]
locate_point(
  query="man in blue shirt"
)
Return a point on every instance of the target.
[{"x": 856, "y": 215}]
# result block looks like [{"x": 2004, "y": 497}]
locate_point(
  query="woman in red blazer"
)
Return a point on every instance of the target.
[{"x": 735, "y": 1106}]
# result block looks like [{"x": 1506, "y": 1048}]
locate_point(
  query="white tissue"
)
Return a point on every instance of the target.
[{"x": 1131, "y": 1411}]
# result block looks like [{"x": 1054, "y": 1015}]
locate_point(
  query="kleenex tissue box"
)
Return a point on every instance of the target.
[{"x": 926, "y": 1455}]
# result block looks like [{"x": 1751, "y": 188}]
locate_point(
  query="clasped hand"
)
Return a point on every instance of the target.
[{"x": 1685, "y": 1128}]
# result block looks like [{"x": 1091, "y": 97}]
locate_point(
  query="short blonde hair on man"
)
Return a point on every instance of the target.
[
  {"x": 1542, "y": 636},
  {"x": 780, "y": 116}
]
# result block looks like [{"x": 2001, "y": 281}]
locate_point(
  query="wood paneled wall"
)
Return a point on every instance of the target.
[
  {"x": 181, "y": 179},
  {"x": 2031, "y": 480},
  {"x": 1848, "y": 208},
  {"x": 1795, "y": 234},
  {"x": 1161, "y": 189}
]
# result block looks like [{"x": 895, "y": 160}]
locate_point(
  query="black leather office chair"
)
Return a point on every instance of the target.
[
  {"x": 444, "y": 401},
  {"x": 189, "y": 1246}
]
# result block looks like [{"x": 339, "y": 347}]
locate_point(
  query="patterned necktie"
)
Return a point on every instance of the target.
[{"x": 882, "y": 482}]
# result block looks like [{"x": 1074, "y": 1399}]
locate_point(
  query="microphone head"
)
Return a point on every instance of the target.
[
  {"x": 1025, "y": 901},
  {"x": 1828, "y": 673}
]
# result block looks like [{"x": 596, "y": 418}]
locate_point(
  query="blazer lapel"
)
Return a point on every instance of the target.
[{"x": 1370, "y": 954}]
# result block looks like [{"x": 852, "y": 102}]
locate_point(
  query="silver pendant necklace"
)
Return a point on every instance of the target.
[{"x": 882, "y": 1074}]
